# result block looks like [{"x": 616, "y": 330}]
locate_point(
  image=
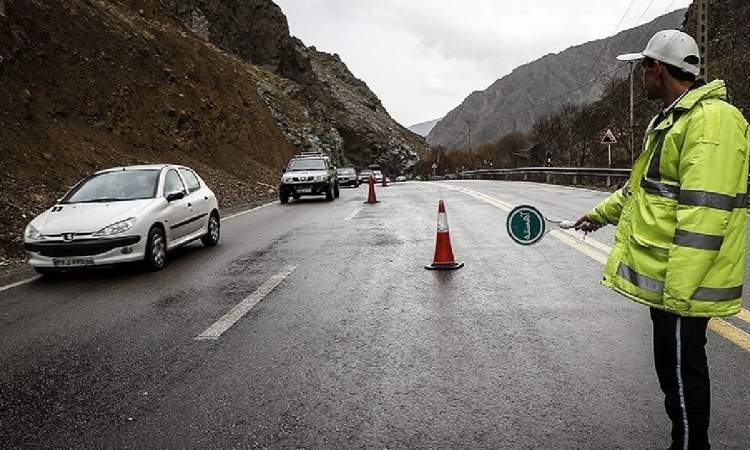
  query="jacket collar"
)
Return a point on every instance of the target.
[
  {"x": 698, "y": 92},
  {"x": 716, "y": 89}
]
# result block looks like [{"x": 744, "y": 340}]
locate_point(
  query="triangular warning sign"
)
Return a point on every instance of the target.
[{"x": 609, "y": 137}]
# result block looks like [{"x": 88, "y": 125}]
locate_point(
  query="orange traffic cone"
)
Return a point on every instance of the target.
[
  {"x": 371, "y": 199},
  {"x": 443, "y": 259}
]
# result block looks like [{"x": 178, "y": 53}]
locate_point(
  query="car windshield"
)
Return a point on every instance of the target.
[
  {"x": 345, "y": 171},
  {"x": 121, "y": 185},
  {"x": 307, "y": 164}
]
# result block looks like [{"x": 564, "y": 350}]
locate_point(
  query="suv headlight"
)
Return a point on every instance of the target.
[
  {"x": 320, "y": 178},
  {"x": 33, "y": 234},
  {"x": 116, "y": 228}
]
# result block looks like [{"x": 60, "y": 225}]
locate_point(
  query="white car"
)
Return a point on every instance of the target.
[{"x": 126, "y": 214}]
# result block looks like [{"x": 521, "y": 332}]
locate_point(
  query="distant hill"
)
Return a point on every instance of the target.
[
  {"x": 571, "y": 137},
  {"x": 516, "y": 101},
  {"x": 424, "y": 128}
]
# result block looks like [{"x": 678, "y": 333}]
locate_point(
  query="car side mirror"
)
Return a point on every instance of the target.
[{"x": 177, "y": 195}]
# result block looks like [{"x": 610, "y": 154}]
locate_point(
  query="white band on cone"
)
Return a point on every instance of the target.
[{"x": 442, "y": 224}]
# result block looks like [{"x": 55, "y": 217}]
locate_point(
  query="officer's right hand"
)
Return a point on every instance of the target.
[{"x": 586, "y": 225}]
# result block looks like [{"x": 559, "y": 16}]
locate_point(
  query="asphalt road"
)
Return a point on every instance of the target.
[{"x": 356, "y": 345}]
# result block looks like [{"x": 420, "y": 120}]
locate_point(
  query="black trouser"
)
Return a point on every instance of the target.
[{"x": 680, "y": 359}]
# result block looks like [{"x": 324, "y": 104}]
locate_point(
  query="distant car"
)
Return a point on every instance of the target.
[
  {"x": 347, "y": 176},
  {"x": 126, "y": 214},
  {"x": 364, "y": 175},
  {"x": 309, "y": 174},
  {"x": 378, "y": 176},
  {"x": 400, "y": 178}
]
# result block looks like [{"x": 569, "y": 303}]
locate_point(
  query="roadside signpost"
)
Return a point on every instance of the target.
[
  {"x": 434, "y": 169},
  {"x": 609, "y": 139}
]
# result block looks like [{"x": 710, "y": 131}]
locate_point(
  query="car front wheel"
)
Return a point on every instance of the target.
[
  {"x": 336, "y": 191},
  {"x": 156, "y": 249},
  {"x": 329, "y": 193},
  {"x": 211, "y": 238},
  {"x": 283, "y": 196}
]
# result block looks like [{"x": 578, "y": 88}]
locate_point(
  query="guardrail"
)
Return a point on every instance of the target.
[{"x": 579, "y": 174}]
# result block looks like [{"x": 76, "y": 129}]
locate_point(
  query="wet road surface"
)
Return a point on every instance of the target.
[{"x": 355, "y": 345}]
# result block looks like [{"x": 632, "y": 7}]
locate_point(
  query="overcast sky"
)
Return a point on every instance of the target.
[{"x": 423, "y": 57}]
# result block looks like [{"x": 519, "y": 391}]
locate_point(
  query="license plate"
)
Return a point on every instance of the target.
[
  {"x": 73, "y": 262},
  {"x": 304, "y": 191}
]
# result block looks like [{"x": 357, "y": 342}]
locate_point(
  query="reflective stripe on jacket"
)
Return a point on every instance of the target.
[{"x": 681, "y": 219}]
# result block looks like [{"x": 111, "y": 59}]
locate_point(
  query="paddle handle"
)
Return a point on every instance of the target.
[{"x": 567, "y": 224}]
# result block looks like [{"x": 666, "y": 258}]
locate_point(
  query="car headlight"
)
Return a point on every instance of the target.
[
  {"x": 33, "y": 234},
  {"x": 320, "y": 178},
  {"x": 116, "y": 228}
]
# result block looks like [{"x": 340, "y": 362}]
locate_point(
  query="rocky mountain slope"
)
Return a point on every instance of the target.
[
  {"x": 424, "y": 128},
  {"x": 86, "y": 85},
  {"x": 514, "y": 102},
  {"x": 334, "y": 111}
]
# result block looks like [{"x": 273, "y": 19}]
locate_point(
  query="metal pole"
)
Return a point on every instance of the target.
[
  {"x": 609, "y": 151},
  {"x": 632, "y": 120},
  {"x": 702, "y": 32}
]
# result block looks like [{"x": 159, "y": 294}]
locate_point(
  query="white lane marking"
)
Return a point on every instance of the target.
[
  {"x": 19, "y": 283},
  {"x": 720, "y": 326},
  {"x": 248, "y": 211},
  {"x": 235, "y": 314},
  {"x": 593, "y": 242},
  {"x": 580, "y": 246},
  {"x": 569, "y": 237},
  {"x": 353, "y": 214}
]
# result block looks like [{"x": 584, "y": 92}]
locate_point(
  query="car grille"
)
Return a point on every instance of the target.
[
  {"x": 84, "y": 247},
  {"x": 298, "y": 179}
]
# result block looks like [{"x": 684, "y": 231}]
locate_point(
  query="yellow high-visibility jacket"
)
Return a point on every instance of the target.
[{"x": 681, "y": 219}]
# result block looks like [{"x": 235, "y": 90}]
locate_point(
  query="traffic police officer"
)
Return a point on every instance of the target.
[{"x": 681, "y": 225}]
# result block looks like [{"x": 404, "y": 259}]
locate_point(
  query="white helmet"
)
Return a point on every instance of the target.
[{"x": 671, "y": 47}]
